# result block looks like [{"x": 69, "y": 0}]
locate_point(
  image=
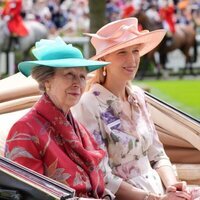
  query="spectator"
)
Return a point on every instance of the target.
[
  {"x": 48, "y": 139},
  {"x": 116, "y": 113},
  {"x": 167, "y": 14},
  {"x": 11, "y": 13}
]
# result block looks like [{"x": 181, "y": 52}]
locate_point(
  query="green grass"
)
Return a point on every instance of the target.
[{"x": 182, "y": 94}]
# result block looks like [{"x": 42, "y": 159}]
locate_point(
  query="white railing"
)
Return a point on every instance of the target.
[
  {"x": 7, "y": 61},
  {"x": 83, "y": 41}
]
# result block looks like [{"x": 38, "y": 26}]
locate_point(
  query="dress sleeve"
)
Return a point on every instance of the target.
[
  {"x": 21, "y": 147},
  {"x": 87, "y": 112},
  {"x": 156, "y": 152}
]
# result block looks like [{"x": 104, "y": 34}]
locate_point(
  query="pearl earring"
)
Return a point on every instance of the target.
[
  {"x": 47, "y": 89},
  {"x": 104, "y": 71}
]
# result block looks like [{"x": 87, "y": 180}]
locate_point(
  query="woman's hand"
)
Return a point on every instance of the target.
[
  {"x": 179, "y": 186},
  {"x": 177, "y": 195},
  {"x": 174, "y": 195}
]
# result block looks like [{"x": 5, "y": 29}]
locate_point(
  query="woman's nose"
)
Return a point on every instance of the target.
[
  {"x": 132, "y": 59},
  {"x": 78, "y": 81}
]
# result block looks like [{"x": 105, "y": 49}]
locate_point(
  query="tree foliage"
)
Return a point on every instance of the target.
[{"x": 97, "y": 17}]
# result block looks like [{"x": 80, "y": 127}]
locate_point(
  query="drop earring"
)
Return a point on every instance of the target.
[
  {"x": 104, "y": 71},
  {"x": 47, "y": 88}
]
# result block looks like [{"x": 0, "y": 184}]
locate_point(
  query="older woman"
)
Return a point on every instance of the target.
[
  {"x": 48, "y": 139},
  {"x": 116, "y": 113}
]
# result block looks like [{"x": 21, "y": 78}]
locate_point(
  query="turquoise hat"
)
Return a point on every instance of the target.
[{"x": 56, "y": 53}]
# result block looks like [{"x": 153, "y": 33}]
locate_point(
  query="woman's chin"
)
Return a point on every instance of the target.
[
  {"x": 73, "y": 103},
  {"x": 130, "y": 77}
]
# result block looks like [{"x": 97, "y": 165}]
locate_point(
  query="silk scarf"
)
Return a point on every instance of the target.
[{"x": 78, "y": 143}]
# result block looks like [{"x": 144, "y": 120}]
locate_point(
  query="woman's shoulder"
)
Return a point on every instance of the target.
[
  {"x": 88, "y": 98},
  {"x": 92, "y": 93},
  {"x": 98, "y": 95},
  {"x": 90, "y": 101},
  {"x": 22, "y": 121},
  {"x": 25, "y": 123}
]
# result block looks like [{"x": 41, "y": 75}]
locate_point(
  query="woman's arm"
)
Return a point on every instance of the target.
[
  {"x": 167, "y": 175},
  {"x": 161, "y": 162},
  {"x": 129, "y": 192},
  {"x": 163, "y": 166},
  {"x": 86, "y": 112},
  {"x": 21, "y": 148}
]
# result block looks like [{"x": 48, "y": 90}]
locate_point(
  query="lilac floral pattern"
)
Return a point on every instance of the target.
[{"x": 131, "y": 145}]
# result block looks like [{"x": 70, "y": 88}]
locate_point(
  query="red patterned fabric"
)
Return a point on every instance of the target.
[
  {"x": 15, "y": 24},
  {"x": 58, "y": 147}
]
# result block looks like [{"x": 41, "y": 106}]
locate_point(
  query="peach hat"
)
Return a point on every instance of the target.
[{"x": 124, "y": 33}]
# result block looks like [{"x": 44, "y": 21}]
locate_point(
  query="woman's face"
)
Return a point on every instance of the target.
[
  {"x": 66, "y": 87},
  {"x": 124, "y": 63}
]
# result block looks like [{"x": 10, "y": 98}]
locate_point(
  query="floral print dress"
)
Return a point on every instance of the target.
[{"x": 133, "y": 148}]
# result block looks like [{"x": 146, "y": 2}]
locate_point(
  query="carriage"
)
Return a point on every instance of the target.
[{"x": 179, "y": 132}]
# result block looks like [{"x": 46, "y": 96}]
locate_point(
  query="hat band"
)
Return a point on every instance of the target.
[
  {"x": 100, "y": 46},
  {"x": 123, "y": 34}
]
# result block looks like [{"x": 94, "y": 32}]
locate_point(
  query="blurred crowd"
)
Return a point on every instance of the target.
[
  {"x": 71, "y": 17},
  {"x": 165, "y": 12}
]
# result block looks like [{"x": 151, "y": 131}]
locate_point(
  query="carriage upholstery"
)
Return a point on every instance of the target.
[{"x": 179, "y": 134}]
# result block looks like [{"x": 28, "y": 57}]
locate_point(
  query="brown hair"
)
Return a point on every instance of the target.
[{"x": 41, "y": 74}]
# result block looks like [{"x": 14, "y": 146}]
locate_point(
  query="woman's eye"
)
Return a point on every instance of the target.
[
  {"x": 121, "y": 52},
  {"x": 83, "y": 77},
  {"x": 69, "y": 76},
  {"x": 135, "y": 51}
]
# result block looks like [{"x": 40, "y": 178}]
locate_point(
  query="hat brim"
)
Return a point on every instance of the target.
[
  {"x": 149, "y": 40},
  {"x": 91, "y": 65}
]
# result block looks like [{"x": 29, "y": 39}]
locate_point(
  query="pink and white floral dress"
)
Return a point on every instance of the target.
[{"x": 133, "y": 148}]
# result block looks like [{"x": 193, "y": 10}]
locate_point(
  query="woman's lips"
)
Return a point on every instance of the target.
[
  {"x": 74, "y": 93},
  {"x": 129, "y": 69}
]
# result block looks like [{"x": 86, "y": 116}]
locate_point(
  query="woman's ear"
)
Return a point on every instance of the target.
[{"x": 47, "y": 85}]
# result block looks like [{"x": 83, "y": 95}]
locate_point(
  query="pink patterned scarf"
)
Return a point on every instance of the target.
[{"x": 78, "y": 144}]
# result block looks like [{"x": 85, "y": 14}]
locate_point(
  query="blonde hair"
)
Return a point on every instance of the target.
[{"x": 97, "y": 77}]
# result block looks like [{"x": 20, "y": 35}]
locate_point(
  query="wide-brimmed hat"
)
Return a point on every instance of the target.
[
  {"x": 124, "y": 33},
  {"x": 56, "y": 53}
]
